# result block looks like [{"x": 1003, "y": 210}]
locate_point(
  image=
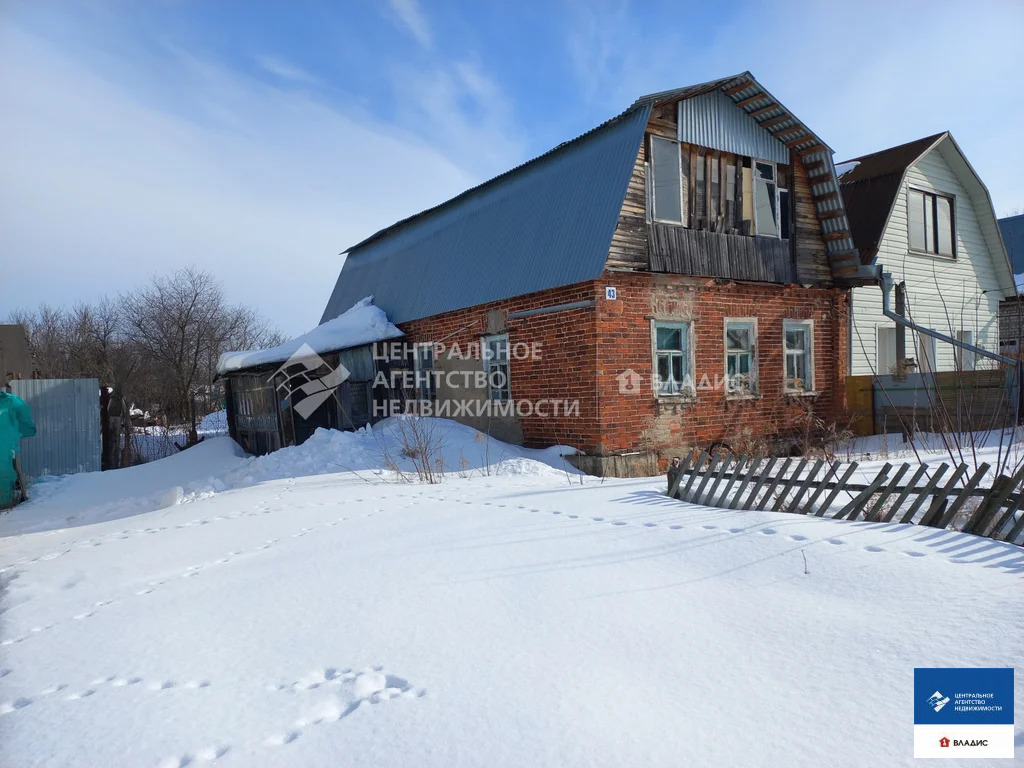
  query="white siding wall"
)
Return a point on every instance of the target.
[{"x": 942, "y": 293}]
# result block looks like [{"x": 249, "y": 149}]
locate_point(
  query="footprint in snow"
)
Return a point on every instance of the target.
[
  {"x": 836, "y": 542},
  {"x": 650, "y": 525},
  {"x": 597, "y": 519},
  {"x": 908, "y": 554},
  {"x": 709, "y": 527},
  {"x": 768, "y": 531},
  {"x": 280, "y": 739},
  {"x": 619, "y": 522},
  {"x": 574, "y": 517},
  {"x": 873, "y": 549},
  {"x": 82, "y": 694},
  {"x": 675, "y": 527},
  {"x": 10, "y": 706},
  {"x": 798, "y": 537},
  {"x": 735, "y": 530}
]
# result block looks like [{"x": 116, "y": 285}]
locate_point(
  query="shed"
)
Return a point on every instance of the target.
[{"x": 279, "y": 396}]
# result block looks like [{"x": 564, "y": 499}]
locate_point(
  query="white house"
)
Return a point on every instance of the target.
[{"x": 922, "y": 212}]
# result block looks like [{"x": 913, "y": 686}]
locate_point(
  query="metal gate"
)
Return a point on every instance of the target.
[{"x": 67, "y": 417}]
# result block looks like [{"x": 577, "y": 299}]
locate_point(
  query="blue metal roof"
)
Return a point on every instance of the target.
[
  {"x": 1012, "y": 230},
  {"x": 544, "y": 224}
]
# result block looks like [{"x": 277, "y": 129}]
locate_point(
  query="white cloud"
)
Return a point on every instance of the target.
[
  {"x": 412, "y": 18},
  {"x": 285, "y": 70},
  {"x": 262, "y": 186}
]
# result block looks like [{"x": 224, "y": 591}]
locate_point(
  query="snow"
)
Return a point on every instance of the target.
[
  {"x": 215, "y": 423},
  {"x": 844, "y": 168},
  {"x": 363, "y": 323},
  {"x": 152, "y": 443},
  {"x": 218, "y": 464},
  {"x": 301, "y": 613}
]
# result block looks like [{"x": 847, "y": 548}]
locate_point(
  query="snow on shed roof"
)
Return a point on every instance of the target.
[{"x": 363, "y": 323}]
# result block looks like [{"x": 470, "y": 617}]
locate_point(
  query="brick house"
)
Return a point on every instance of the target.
[{"x": 677, "y": 276}]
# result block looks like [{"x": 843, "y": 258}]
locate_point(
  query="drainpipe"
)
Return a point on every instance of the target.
[{"x": 887, "y": 286}]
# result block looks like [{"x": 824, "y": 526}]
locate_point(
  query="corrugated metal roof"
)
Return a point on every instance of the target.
[
  {"x": 1012, "y": 228},
  {"x": 870, "y": 185},
  {"x": 545, "y": 224},
  {"x": 712, "y": 120}
]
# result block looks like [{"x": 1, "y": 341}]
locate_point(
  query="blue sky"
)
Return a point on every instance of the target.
[{"x": 260, "y": 139}]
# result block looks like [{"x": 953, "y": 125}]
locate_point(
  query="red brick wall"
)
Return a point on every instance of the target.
[
  {"x": 624, "y": 342},
  {"x": 584, "y": 350},
  {"x": 563, "y": 370}
]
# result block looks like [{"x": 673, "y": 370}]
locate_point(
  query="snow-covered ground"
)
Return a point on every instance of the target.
[
  {"x": 152, "y": 443},
  {"x": 309, "y": 608}
]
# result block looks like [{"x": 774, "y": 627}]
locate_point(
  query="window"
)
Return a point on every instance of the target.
[
  {"x": 672, "y": 359},
  {"x": 426, "y": 385},
  {"x": 784, "y": 214},
  {"x": 930, "y": 220},
  {"x": 740, "y": 356},
  {"x": 886, "y": 351},
  {"x": 965, "y": 358},
  {"x": 668, "y": 200},
  {"x": 766, "y": 203},
  {"x": 799, "y": 341},
  {"x": 495, "y": 352},
  {"x": 925, "y": 353}
]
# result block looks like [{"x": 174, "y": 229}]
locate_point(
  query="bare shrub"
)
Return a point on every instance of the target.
[{"x": 421, "y": 441}]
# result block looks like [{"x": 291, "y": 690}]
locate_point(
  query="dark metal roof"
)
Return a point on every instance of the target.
[
  {"x": 549, "y": 222},
  {"x": 870, "y": 187},
  {"x": 1012, "y": 229},
  {"x": 546, "y": 223}
]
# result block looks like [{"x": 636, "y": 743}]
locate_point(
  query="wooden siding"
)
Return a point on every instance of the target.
[
  {"x": 629, "y": 241},
  {"x": 809, "y": 250},
  {"x": 696, "y": 252},
  {"x": 638, "y": 244},
  {"x": 943, "y": 293}
]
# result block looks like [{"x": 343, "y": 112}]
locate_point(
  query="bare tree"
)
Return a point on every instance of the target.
[{"x": 156, "y": 346}]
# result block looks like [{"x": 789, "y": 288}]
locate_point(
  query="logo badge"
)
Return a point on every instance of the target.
[
  {"x": 629, "y": 382},
  {"x": 937, "y": 701},
  {"x": 308, "y": 380}
]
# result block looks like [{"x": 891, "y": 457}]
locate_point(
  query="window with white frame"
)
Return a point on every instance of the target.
[
  {"x": 930, "y": 221},
  {"x": 885, "y": 354},
  {"x": 966, "y": 359},
  {"x": 672, "y": 350},
  {"x": 798, "y": 341},
  {"x": 667, "y": 175},
  {"x": 766, "y": 202},
  {"x": 426, "y": 386},
  {"x": 495, "y": 353},
  {"x": 741, "y": 356}
]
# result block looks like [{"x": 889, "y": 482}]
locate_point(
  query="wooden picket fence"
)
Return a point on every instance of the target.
[{"x": 816, "y": 487}]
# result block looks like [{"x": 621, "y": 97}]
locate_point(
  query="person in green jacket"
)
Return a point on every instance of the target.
[{"x": 15, "y": 423}]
